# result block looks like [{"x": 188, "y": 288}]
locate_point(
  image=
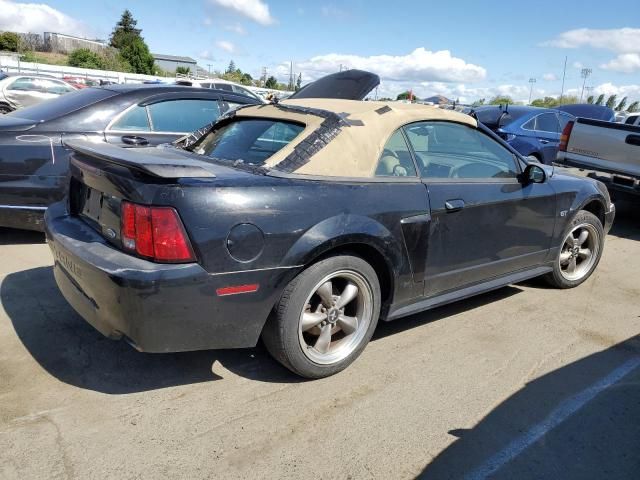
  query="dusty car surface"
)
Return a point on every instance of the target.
[{"x": 307, "y": 221}]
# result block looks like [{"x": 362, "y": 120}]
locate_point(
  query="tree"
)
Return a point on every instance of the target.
[
  {"x": 590, "y": 99},
  {"x": 299, "y": 82},
  {"x": 183, "y": 70},
  {"x": 611, "y": 101},
  {"x": 271, "y": 82},
  {"x": 621, "y": 105},
  {"x": 231, "y": 68},
  {"x": 246, "y": 79},
  {"x": 133, "y": 49},
  {"x": 408, "y": 95},
  {"x": 85, "y": 58},
  {"x": 137, "y": 54},
  {"x": 9, "y": 41},
  {"x": 634, "y": 107},
  {"x": 600, "y": 100},
  {"x": 125, "y": 29},
  {"x": 501, "y": 100}
]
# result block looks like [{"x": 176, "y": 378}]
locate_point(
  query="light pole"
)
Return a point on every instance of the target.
[
  {"x": 584, "y": 73},
  {"x": 531, "y": 82},
  {"x": 209, "y": 65}
]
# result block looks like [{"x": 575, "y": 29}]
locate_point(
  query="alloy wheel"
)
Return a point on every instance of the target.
[
  {"x": 336, "y": 317},
  {"x": 579, "y": 252}
]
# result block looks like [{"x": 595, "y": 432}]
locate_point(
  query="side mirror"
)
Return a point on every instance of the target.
[{"x": 534, "y": 174}]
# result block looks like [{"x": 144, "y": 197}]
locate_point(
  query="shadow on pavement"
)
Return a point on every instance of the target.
[
  {"x": 522, "y": 438},
  {"x": 74, "y": 352},
  {"x": 10, "y": 236},
  {"x": 627, "y": 222}
]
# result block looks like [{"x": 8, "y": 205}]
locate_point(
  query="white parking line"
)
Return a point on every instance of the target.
[{"x": 565, "y": 410}]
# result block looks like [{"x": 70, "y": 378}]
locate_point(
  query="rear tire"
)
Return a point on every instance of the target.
[
  {"x": 4, "y": 109},
  {"x": 579, "y": 252},
  {"x": 325, "y": 317}
]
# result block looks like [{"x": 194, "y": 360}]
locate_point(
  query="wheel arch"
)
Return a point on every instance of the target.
[
  {"x": 356, "y": 235},
  {"x": 595, "y": 206}
]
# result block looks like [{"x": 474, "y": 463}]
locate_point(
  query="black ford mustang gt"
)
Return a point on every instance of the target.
[
  {"x": 304, "y": 222},
  {"x": 34, "y": 162}
]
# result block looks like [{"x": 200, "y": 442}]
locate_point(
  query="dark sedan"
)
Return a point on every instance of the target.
[
  {"x": 34, "y": 162},
  {"x": 534, "y": 132},
  {"x": 304, "y": 222}
]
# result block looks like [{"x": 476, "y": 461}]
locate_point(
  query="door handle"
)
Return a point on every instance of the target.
[
  {"x": 454, "y": 205},
  {"x": 632, "y": 140},
  {"x": 542, "y": 140},
  {"x": 135, "y": 140}
]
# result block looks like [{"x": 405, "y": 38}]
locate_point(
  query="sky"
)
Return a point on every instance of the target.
[{"x": 462, "y": 49}]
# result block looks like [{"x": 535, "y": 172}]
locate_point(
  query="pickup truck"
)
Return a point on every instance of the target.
[{"x": 611, "y": 151}]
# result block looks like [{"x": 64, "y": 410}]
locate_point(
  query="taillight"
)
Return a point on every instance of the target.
[
  {"x": 564, "y": 138},
  {"x": 155, "y": 233}
]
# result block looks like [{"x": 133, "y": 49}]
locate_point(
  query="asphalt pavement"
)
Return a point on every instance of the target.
[{"x": 525, "y": 382}]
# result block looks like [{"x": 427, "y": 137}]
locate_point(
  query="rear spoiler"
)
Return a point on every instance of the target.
[{"x": 158, "y": 162}]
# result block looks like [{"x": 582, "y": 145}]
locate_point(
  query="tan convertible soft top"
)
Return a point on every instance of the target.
[{"x": 342, "y": 138}]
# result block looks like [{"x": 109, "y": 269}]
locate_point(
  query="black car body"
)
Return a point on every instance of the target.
[
  {"x": 387, "y": 209},
  {"x": 34, "y": 162}
]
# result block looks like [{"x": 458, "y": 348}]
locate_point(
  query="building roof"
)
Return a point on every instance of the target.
[
  {"x": 351, "y": 149},
  {"x": 173, "y": 58}
]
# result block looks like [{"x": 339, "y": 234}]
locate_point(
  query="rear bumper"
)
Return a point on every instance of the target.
[{"x": 157, "y": 307}]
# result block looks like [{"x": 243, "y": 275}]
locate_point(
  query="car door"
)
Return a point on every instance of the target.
[
  {"x": 485, "y": 223},
  {"x": 547, "y": 130}
]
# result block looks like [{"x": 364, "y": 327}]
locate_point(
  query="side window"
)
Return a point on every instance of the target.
[
  {"x": 564, "y": 119},
  {"x": 134, "y": 120},
  {"x": 23, "y": 83},
  {"x": 530, "y": 125},
  {"x": 55, "y": 87},
  {"x": 223, "y": 86},
  {"x": 547, "y": 122},
  {"x": 452, "y": 150},
  {"x": 183, "y": 115},
  {"x": 631, "y": 119},
  {"x": 395, "y": 160}
]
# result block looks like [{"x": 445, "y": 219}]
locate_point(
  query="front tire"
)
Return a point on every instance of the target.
[
  {"x": 4, "y": 109},
  {"x": 325, "y": 317},
  {"x": 579, "y": 253}
]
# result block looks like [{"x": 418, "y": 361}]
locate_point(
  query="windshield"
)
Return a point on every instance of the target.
[
  {"x": 64, "y": 104},
  {"x": 251, "y": 141}
]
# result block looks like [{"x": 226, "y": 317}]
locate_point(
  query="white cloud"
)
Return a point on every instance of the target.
[
  {"x": 226, "y": 46},
  {"x": 625, "y": 63},
  {"x": 207, "y": 55},
  {"x": 418, "y": 66},
  {"x": 631, "y": 91},
  {"x": 578, "y": 65},
  {"x": 619, "y": 40},
  {"x": 550, "y": 77},
  {"x": 38, "y": 18},
  {"x": 236, "y": 28},
  {"x": 256, "y": 10},
  {"x": 332, "y": 11}
]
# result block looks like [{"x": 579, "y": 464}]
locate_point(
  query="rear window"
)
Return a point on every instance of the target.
[
  {"x": 65, "y": 104},
  {"x": 252, "y": 141}
]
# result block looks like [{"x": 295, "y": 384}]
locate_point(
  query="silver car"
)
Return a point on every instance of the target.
[{"x": 18, "y": 91}]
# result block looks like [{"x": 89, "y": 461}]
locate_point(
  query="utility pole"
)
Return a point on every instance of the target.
[
  {"x": 564, "y": 73},
  {"x": 264, "y": 76},
  {"x": 209, "y": 65},
  {"x": 584, "y": 73},
  {"x": 531, "y": 82},
  {"x": 290, "y": 76}
]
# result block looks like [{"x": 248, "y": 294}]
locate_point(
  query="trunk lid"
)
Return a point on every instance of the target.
[{"x": 345, "y": 85}]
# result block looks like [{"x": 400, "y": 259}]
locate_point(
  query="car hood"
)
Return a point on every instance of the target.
[
  {"x": 9, "y": 123},
  {"x": 345, "y": 85}
]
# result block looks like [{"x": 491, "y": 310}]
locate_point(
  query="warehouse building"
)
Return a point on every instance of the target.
[{"x": 169, "y": 63}]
